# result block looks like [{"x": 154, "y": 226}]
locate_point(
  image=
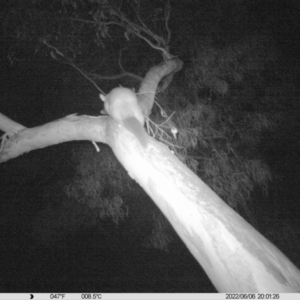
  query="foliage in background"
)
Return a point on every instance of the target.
[
  {"x": 99, "y": 182},
  {"x": 104, "y": 186},
  {"x": 222, "y": 112},
  {"x": 160, "y": 237},
  {"x": 221, "y": 118},
  {"x": 224, "y": 103}
]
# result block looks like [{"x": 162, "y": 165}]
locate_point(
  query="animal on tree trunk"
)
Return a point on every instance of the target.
[{"x": 122, "y": 105}]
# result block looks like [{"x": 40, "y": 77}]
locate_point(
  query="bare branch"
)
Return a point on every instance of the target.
[
  {"x": 69, "y": 62},
  {"x": 7, "y": 125},
  {"x": 138, "y": 30},
  {"x": 167, "y": 18},
  {"x": 138, "y": 15},
  {"x": 113, "y": 77}
]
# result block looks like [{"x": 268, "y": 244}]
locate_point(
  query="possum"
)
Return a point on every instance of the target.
[{"x": 122, "y": 105}]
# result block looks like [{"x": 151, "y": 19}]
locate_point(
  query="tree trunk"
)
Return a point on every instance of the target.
[{"x": 235, "y": 256}]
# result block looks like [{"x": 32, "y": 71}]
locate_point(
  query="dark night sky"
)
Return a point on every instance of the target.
[{"x": 93, "y": 259}]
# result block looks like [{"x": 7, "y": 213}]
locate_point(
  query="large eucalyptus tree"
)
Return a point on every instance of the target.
[{"x": 235, "y": 256}]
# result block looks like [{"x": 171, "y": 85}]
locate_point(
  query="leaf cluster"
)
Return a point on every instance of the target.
[{"x": 223, "y": 115}]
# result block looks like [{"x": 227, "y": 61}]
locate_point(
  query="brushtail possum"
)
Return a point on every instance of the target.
[{"x": 122, "y": 105}]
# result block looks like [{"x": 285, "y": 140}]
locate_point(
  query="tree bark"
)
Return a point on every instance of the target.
[{"x": 235, "y": 256}]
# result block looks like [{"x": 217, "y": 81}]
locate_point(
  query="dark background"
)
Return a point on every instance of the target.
[{"x": 105, "y": 259}]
